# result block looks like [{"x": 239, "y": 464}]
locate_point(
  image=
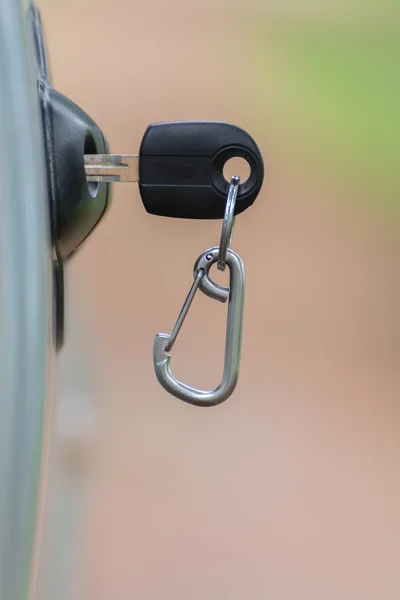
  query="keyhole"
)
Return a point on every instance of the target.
[
  {"x": 90, "y": 148},
  {"x": 237, "y": 166}
]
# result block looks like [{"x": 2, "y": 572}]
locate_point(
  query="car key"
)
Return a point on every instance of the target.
[{"x": 179, "y": 168}]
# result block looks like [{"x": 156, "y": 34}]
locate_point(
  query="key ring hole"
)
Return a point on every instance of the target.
[
  {"x": 90, "y": 148},
  {"x": 237, "y": 166},
  {"x": 249, "y": 187}
]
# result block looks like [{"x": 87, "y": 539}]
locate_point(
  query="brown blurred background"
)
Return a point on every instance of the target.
[{"x": 290, "y": 489}]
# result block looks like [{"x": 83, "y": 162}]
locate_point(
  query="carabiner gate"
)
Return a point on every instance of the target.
[{"x": 163, "y": 342}]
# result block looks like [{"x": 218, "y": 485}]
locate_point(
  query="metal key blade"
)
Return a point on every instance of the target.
[{"x": 112, "y": 167}]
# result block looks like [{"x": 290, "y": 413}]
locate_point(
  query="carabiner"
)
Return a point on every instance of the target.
[{"x": 163, "y": 342}]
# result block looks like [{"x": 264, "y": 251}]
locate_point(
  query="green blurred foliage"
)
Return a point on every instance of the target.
[{"x": 337, "y": 89}]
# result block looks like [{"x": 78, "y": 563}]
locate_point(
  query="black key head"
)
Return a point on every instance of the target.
[{"x": 181, "y": 168}]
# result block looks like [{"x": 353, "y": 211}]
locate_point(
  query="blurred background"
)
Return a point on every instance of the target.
[{"x": 290, "y": 489}]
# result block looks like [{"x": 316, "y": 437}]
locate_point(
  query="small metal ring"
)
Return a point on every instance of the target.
[{"x": 229, "y": 221}]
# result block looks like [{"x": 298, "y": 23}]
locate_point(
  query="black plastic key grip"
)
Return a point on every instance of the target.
[{"x": 181, "y": 168}]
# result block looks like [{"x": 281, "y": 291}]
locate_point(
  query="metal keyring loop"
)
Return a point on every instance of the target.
[{"x": 229, "y": 221}]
